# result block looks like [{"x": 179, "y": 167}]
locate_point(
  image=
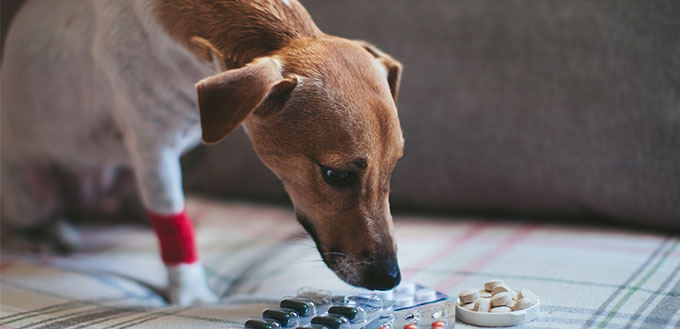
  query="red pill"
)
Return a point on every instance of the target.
[
  {"x": 411, "y": 326},
  {"x": 438, "y": 325}
]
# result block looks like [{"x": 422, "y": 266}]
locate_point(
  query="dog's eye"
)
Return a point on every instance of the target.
[{"x": 339, "y": 178}]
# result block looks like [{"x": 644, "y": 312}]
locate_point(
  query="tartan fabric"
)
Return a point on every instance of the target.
[{"x": 586, "y": 277}]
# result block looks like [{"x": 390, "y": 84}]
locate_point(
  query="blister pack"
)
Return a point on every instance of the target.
[{"x": 409, "y": 306}]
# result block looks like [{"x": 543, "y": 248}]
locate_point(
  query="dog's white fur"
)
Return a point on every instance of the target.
[{"x": 104, "y": 82}]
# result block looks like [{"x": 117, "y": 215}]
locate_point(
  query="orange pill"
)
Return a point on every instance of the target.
[
  {"x": 438, "y": 324},
  {"x": 411, "y": 326}
]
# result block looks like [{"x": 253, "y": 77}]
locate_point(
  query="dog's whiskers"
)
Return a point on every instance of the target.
[
  {"x": 299, "y": 235},
  {"x": 270, "y": 186},
  {"x": 303, "y": 244},
  {"x": 308, "y": 261},
  {"x": 335, "y": 253},
  {"x": 344, "y": 270}
]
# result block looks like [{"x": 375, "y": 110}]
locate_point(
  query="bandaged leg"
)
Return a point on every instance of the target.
[
  {"x": 159, "y": 178},
  {"x": 177, "y": 243}
]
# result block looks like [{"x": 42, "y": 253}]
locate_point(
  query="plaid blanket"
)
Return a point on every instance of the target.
[{"x": 586, "y": 277}]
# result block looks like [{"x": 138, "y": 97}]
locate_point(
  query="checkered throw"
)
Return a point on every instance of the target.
[{"x": 586, "y": 277}]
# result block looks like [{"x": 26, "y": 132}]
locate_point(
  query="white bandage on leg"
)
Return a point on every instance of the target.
[{"x": 187, "y": 285}]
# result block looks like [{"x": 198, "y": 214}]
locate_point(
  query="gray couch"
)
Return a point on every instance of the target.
[
  {"x": 530, "y": 108},
  {"x": 547, "y": 109}
]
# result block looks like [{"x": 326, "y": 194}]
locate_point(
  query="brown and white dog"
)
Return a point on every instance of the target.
[{"x": 94, "y": 86}]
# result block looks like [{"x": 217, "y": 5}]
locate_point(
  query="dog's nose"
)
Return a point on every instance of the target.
[{"x": 383, "y": 276}]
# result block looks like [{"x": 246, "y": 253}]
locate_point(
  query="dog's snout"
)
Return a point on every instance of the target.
[{"x": 383, "y": 275}]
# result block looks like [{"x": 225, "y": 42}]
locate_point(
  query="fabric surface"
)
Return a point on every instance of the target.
[
  {"x": 586, "y": 277},
  {"x": 515, "y": 107}
]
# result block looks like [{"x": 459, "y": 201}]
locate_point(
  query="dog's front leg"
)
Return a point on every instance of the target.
[{"x": 159, "y": 177}]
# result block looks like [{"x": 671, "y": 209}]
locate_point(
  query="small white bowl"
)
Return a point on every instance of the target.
[{"x": 486, "y": 319}]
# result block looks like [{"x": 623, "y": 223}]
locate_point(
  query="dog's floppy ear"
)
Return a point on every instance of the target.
[
  {"x": 226, "y": 99},
  {"x": 392, "y": 66},
  {"x": 207, "y": 51}
]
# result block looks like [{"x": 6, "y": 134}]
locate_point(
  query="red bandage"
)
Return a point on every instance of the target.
[{"x": 176, "y": 237}]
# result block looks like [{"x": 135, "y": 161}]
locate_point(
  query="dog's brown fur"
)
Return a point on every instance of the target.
[
  {"x": 308, "y": 100},
  {"x": 240, "y": 29}
]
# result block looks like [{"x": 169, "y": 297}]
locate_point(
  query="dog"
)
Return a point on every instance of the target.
[{"x": 90, "y": 87}]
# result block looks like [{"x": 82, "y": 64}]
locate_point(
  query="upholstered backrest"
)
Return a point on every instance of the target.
[{"x": 548, "y": 108}]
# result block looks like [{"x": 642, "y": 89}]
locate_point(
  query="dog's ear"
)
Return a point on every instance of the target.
[
  {"x": 277, "y": 96},
  {"x": 207, "y": 51},
  {"x": 226, "y": 99},
  {"x": 392, "y": 66}
]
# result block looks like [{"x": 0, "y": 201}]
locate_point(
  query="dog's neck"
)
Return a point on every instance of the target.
[{"x": 241, "y": 30}]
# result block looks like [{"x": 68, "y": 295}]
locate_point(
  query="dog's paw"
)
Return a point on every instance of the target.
[
  {"x": 187, "y": 285},
  {"x": 187, "y": 296}
]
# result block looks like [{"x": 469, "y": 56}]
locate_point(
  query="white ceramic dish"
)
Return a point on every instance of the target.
[{"x": 485, "y": 319}]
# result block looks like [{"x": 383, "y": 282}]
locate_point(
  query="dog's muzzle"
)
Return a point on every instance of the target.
[{"x": 379, "y": 271}]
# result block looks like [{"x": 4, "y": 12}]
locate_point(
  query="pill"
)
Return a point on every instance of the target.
[
  {"x": 404, "y": 300},
  {"x": 468, "y": 306},
  {"x": 484, "y": 294},
  {"x": 258, "y": 324},
  {"x": 488, "y": 286},
  {"x": 500, "y": 299},
  {"x": 511, "y": 304},
  {"x": 468, "y": 296},
  {"x": 405, "y": 288},
  {"x": 349, "y": 312},
  {"x": 514, "y": 294},
  {"x": 438, "y": 324},
  {"x": 526, "y": 293},
  {"x": 332, "y": 322},
  {"x": 411, "y": 326},
  {"x": 500, "y": 288},
  {"x": 385, "y": 294},
  {"x": 280, "y": 316},
  {"x": 300, "y": 307},
  {"x": 482, "y": 305},
  {"x": 500, "y": 309},
  {"x": 426, "y": 294},
  {"x": 522, "y": 303}
]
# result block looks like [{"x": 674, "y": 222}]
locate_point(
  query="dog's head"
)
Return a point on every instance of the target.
[{"x": 321, "y": 115}]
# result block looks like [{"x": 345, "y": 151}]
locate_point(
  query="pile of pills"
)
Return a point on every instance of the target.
[{"x": 497, "y": 297}]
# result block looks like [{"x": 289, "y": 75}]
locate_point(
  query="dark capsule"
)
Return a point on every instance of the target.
[
  {"x": 300, "y": 307},
  {"x": 257, "y": 324},
  {"x": 349, "y": 312},
  {"x": 331, "y": 321},
  {"x": 281, "y": 317}
]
